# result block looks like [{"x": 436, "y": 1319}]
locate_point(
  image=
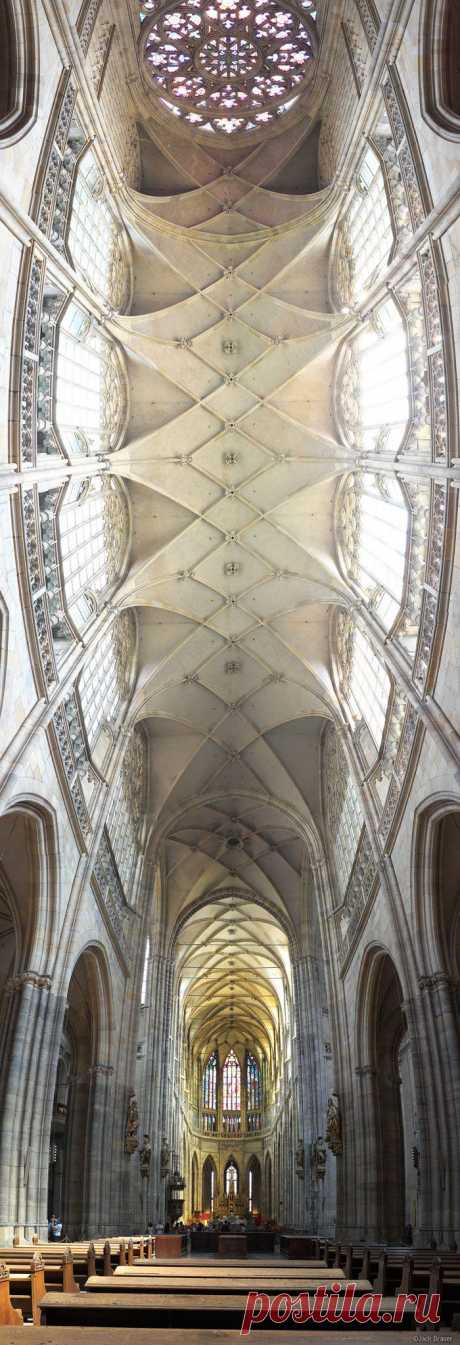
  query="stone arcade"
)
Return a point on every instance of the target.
[{"x": 229, "y": 613}]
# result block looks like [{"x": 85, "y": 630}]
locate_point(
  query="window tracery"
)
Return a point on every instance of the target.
[
  {"x": 365, "y": 236},
  {"x": 106, "y": 678},
  {"x": 345, "y": 817},
  {"x": 363, "y": 678},
  {"x": 231, "y": 1083},
  {"x": 89, "y": 401},
  {"x": 94, "y": 235},
  {"x": 126, "y": 810},
  {"x": 93, "y": 534},
  {"x": 375, "y": 394},
  {"x": 375, "y": 524},
  {"x": 210, "y": 1086},
  {"x": 228, "y": 65}
]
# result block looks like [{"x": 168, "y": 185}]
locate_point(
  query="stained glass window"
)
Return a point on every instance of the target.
[
  {"x": 344, "y": 811},
  {"x": 94, "y": 234},
  {"x": 210, "y": 1083},
  {"x": 253, "y": 1083},
  {"x": 105, "y": 679},
  {"x": 375, "y": 524},
  {"x": 231, "y": 1178},
  {"x": 228, "y": 65},
  {"x": 231, "y": 1083},
  {"x": 370, "y": 686},
  {"x": 367, "y": 230},
  {"x": 93, "y": 533},
  {"x": 89, "y": 399}
]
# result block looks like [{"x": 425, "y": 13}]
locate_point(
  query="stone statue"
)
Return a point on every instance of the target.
[
  {"x": 300, "y": 1158},
  {"x": 164, "y": 1156},
  {"x": 334, "y": 1125},
  {"x": 318, "y": 1157},
  {"x": 145, "y": 1155},
  {"x": 132, "y": 1125}
]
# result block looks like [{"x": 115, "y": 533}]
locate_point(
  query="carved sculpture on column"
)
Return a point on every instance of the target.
[
  {"x": 300, "y": 1158},
  {"x": 132, "y": 1125},
  {"x": 164, "y": 1157},
  {"x": 334, "y": 1125},
  {"x": 145, "y": 1155},
  {"x": 318, "y": 1157}
]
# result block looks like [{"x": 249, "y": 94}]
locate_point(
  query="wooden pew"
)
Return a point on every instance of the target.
[
  {"x": 58, "y": 1266},
  {"x": 180, "y": 1311},
  {"x": 176, "y": 1284},
  {"x": 9, "y": 1316},
  {"x": 27, "y": 1288}
]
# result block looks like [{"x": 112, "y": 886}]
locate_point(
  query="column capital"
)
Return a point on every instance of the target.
[
  {"x": 438, "y": 980},
  {"x": 32, "y": 978}
]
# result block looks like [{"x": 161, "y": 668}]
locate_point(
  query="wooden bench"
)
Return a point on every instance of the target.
[
  {"x": 58, "y": 1268},
  {"x": 9, "y": 1316},
  {"x": 177, "y": 1284},
  {"x": 26, "y": 1289},
  {"x": 235, "y": 1269},
  {"x": 179, "y": 1311},
  {"x": 71, "y": 1335}
]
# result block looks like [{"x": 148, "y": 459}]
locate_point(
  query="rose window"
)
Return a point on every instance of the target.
[{"x": 227, "y": 66}]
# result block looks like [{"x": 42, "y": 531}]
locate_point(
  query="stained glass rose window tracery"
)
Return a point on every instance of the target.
[{"x": 228, "y": 65}]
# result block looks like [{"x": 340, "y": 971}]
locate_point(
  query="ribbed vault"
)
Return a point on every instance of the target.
[
  {"x": 232, "y": 462},
  {"x": 234, "y": 968}
]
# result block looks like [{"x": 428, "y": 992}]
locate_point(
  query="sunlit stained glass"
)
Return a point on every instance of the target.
[
  {"x": 231, "y": 1083},
  {"x": 228, "y": 65},
  {"x": 210, "y": 1083}
]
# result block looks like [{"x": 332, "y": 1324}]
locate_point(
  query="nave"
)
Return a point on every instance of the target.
[{"x": 229, "y": 652}]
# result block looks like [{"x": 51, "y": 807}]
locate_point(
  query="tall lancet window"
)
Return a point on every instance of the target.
[
  {"x": 106, "y": 678},
  {"x": 93, "y": 536},
  {"x": 370, "y": 687},
  {"x": 89, "y": 400},
  {"x": 210, "y": 1083},
  {"x": 94, "y": 236},
  {"x": 253, "y": 1084},
  {"x": 231, "y": 1083},
  {"x": 375, "y": 527},
  {"x": 365, "y": 235}
]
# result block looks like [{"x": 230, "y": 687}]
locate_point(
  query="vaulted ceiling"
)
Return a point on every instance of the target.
[{"x": 232, "y": 459}]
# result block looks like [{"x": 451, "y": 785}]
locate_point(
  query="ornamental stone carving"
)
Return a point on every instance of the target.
[
  {"x": 145, "y": 1158},
  {"x": 300, "y": 1158},
  {"x": 334, "y": 1125},
  {"x": 165, "y": 1155},
  {"x": 132, "y": 1125},
  {"x": 319, "y": 1158}
]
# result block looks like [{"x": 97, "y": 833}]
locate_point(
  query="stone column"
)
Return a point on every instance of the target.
[
  {"x": 432, "y": 1017},
  {"x": 368, "y": 1173},
  {"x": 25, "y": 1105},
  {"x": 97, "y": 1176}
]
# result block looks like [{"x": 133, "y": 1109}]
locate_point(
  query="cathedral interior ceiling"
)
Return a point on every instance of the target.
[
  {"x": 232, "y": 460},
  {"x": 219, "y": 948}
]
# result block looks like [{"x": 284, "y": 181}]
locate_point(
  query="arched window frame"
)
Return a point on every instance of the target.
[
  {"x": 382, "y": 325},
  {"x": 111, "y": 668},
  {"x": 21, "y": 113},
  {"x": 347, "y": 638},
  {"x": 231, "y": 1082},
  {"x": 210, "y": 1091},
  {"x": 118, "y": 294},
  {"x": 82, "y": 345},
  {"x": 342, "y": 807},
  {"x": 124, "y": 816},
  {"x": 366, "y": 182},
  {"x": 434, "y": 38},
  {"x": 91, "y": 531},
  {"x": 403, "y": 618}
]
